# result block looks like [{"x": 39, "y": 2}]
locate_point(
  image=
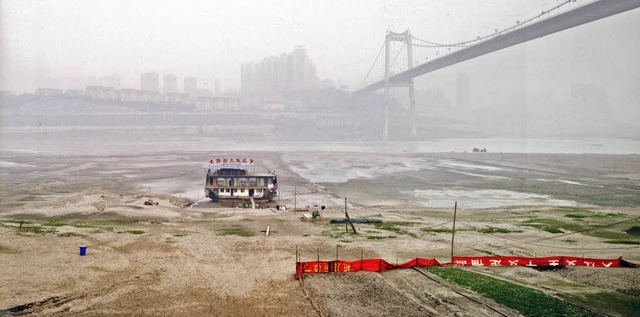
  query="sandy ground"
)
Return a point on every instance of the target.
[{"x": 174, "y": 259}]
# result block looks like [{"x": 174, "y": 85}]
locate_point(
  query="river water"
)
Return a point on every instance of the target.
[
  {"x": 494, "y": 145},
  {"x": 360, "y": 169}
]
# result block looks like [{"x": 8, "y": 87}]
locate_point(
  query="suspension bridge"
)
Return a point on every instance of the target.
[{"x": 565, "y": 15}]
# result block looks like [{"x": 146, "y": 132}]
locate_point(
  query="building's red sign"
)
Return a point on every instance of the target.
[{"x": 225, "y": 161}]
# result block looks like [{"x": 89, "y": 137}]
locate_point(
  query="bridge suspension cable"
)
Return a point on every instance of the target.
[
  {"x": 372, "y": 65},
  {"x": 496, "y": 33},
  {"x": 395, "y": 58}
]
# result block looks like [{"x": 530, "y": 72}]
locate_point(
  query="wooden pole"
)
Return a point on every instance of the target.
[
  {"x": 295, "y": 198},
  {"x": 337, "y": 246},
  {"x": 298, "y": 258},
  {"x": 347, "y": 216},
  {"x": 346, "y": 223},
  {"x": 453, "y": 231}
]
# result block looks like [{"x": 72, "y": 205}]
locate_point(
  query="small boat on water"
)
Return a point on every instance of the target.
[{"x": 233, "y": 180}]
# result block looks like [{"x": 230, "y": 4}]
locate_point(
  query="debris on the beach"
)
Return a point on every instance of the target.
[
  {"x": 315, "y": 213},
  {"x": 357, "y": 220},
  {"x": 151, "y": 202},
  {"x": 268, "y": 231}
]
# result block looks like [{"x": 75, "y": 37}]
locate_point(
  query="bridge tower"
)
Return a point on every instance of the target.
[{"x": 404, "y": 37}]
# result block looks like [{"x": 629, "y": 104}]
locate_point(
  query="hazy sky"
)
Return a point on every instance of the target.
[{"x": 45, "y": 42}]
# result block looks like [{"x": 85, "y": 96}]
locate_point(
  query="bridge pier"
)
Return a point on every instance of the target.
[{"x": 404, "y": 37}]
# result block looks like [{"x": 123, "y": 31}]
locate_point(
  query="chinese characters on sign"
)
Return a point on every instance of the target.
[
  {"x": 522, "y": 261},
  {"x": 325, "y": 267},
  {"x": 224, "y": 161}
]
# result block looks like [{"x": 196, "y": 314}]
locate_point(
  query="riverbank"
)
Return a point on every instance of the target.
[{"x": 173, "y": 259}]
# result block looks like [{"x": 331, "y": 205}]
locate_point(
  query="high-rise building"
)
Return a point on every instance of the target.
[
  {"x": 292, "y": 71},
  {"x": 150, "y": 82},
  {"x": 304, "y": 71},
  {"x": 169, "y": 83},
  {"x": 190, "y": 86}
]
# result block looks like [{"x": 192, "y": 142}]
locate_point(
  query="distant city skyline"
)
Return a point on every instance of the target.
[
  {"x": 342, "y": 39},
  {"x": 148, "y": 81},
  {"x": 212, "y": 40}
]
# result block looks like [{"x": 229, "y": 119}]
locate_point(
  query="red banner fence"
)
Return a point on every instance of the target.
[{"x": 378, "y": 265}]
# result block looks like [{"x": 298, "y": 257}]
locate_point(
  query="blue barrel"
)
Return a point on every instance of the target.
[{"x": 83, "y": 250}]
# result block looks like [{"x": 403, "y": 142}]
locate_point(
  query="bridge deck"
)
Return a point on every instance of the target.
[{"x": 585, "y": 14}]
